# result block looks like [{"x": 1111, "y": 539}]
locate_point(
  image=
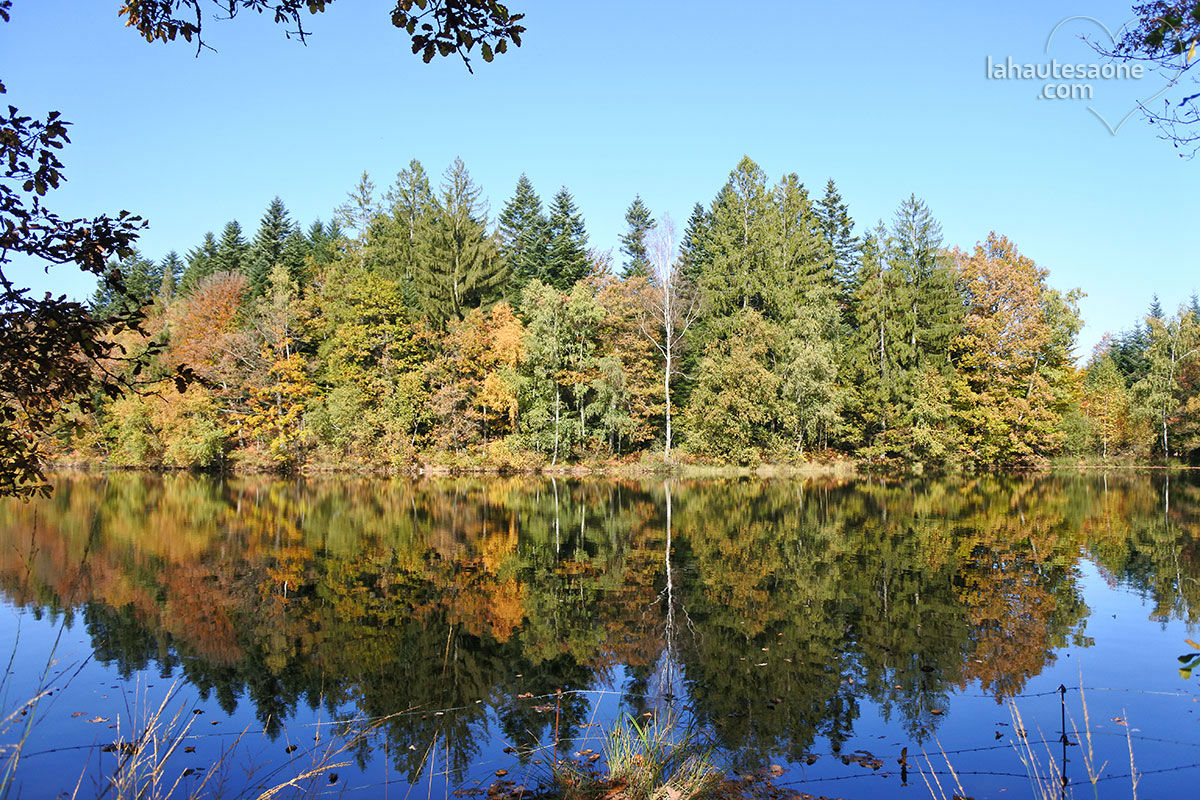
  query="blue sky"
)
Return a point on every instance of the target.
[{"x": 617, "y": 98}]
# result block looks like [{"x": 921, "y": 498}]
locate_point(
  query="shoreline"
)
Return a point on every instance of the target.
[{"x": 845, "y": 470}]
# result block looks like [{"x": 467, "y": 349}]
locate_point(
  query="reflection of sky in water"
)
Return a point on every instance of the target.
[{"x": 777, "y": 625}]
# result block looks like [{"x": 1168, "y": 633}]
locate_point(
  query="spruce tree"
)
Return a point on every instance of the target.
[
  {"x": 568, "y": 260},
  {"x": 633, "y": 242},
  {"x": 693, "y": 248},
  {"x": 201, "y": 262},
  {"x": 233, "y": 253},
  {"x": 140, "y": 278},
  {"x": 739, "y": 242},
  {"x": 323, "y": 243},
  {"x": 523, "y": 233},
  {"x": 398, "y": 238},
  {"x": 838, "y": 228},
  {"x": 932, "y": 306},
  {"x": 462, "y": 269},
  {"x": 1156, "y": 309},
  {"x": 270, "y": 247}
]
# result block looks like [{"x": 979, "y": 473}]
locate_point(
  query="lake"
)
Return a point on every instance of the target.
[{"x": 848, "y": 638}]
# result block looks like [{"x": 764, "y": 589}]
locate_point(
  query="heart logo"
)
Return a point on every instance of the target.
[{"x": 1140, "y": 104}]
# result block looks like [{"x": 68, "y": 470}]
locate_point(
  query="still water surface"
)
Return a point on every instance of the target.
[{"x": 821, "y": 627}]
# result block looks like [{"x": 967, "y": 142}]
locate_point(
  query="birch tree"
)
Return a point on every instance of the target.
[{"x": 669, "y": 309}]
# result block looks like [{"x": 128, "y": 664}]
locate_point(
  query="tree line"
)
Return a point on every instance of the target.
[{"x": 412, "y": 328}]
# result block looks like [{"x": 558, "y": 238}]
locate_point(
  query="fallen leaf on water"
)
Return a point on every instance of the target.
[
  {"x": 79, "y": 714},
  {"x": 1119, "y": 721},
  {"x": 776, "y": 770},
  {"x": 189, "y": 749},
  {"x": 98, "y": 719},
  {"x": 500, "y": 773}
]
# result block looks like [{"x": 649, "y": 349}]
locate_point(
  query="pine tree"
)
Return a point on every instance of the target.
[
  {"x": 462, "y": 269},
  {"x": 171, "y": 268},
  {"x": 201, "y": 262},
  {"x": 271, "y": 247},
  {"x": 633, "y": 242},
  {"x": 233, "y": 252},
  {"x": 568, "y": 259},
  {"x": 523, "y": 234}
]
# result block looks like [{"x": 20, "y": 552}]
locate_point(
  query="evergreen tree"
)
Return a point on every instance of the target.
[
  {"x": 140, "y": 278},
  {"x": 932, "y": 307},
  {"x": 271, "y": 247},
  {"x": 633, "y": 242},
  {"x": 567, "y": 256},
  {"x": 323, "y": 242},
  {"x": 739, "y": 243},
  {"x": 171, "y": 268},
  {"x": 838, "y": 228},
  {"x": 1156, "y": 310},
  {"x": 399, "y": 238},
  {"x": 358, "y": 212},
  {"x": 462, "y": 270},
  {"x": 201, "y": 262},
  {"x": 524, "y": 235},
  {"x": 693, "y": 250},
  {"x": 233, "y": 253}
]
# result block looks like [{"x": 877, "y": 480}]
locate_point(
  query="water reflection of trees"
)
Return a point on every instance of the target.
[{"x": 788, "y": 603}]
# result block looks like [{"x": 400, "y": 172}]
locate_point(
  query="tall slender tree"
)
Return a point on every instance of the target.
[
  {"x": 357, "y": 212},
  {"x": 837, "y": 226},
  {"x": 633, "y": 241}
]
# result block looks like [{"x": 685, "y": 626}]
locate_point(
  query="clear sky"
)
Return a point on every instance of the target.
[{"x": 615, "y": 98}]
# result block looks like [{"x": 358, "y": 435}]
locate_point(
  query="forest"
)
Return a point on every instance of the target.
[{"x": 412, "y": 329}]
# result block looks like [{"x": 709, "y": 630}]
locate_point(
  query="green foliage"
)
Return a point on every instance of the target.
[
  {"x": 633, "y": 241},
  {"x": 233, "y": 252},
  {"x": 567, "y": 259},
  {"x": 201, "y": 262},
  {"x": 460, "y": 268},
  {"x": 734, "y": 409},
  {"x": 277, "y": 243},
  {"x": 794, "y": 339},
  {"x": 523, "y": 235},
  {"x": 140, "y": 279}
]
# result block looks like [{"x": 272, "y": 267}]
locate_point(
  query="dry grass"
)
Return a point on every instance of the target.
[{"x": 661, "y": 759}]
